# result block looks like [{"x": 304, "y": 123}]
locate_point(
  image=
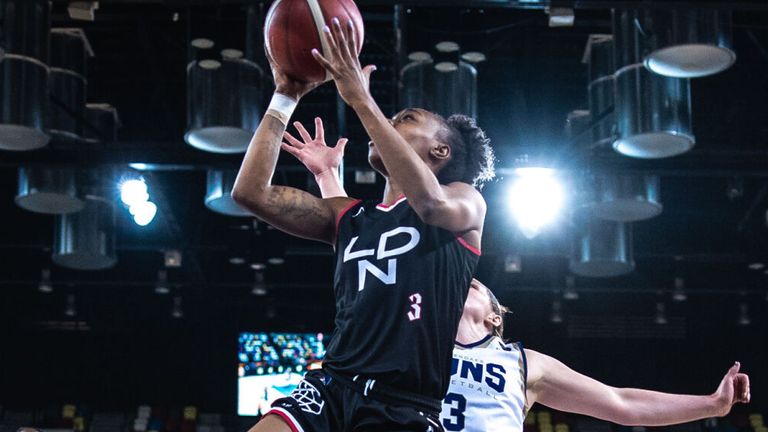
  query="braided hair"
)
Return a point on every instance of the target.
[{"x": 472, "y": 160}]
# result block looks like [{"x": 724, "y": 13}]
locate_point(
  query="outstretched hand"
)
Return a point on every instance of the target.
[
  {"x": 734, "y": 388},
  {"x": 314, "y": 153},
  {"x": 343, "y": 63}
]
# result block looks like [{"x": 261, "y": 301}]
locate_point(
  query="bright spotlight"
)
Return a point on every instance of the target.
[
  {"x": 536, "y": 198},
  {"x": 133, "y": 192},
  {"x": 143, "y": 212}
]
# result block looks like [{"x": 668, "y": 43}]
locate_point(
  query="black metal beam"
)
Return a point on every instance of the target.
[
  {"x": 177, "y": 156},
  {"x": 514, "y": 4}
]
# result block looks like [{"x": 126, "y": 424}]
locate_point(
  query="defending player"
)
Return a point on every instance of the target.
[{"x": 402, "y": 268}]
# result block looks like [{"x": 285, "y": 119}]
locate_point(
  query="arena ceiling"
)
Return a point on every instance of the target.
[{"x": 713, "y": 226}]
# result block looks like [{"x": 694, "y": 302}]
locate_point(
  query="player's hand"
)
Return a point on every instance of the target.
[
  {"x": 734, "y": 388},
  {"x": 343, "y": 63},
  {"x": 288, "y": 86},
  {"x": 314, "y": 153}
]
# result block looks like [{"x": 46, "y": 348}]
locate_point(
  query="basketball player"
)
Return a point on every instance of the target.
[
  {"x": 494, "y": 384},
  {"x": 403, "y": 267}
]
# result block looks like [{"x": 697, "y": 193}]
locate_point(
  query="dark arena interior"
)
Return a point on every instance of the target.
[{"x": 650, "y": 271}]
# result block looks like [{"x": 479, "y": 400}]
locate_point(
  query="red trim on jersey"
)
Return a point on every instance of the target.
[
  {"x": 397, "y": 201},
  {"x": 341, "y": 214},
  {"x": 464, "y": 243},
  {"x": 286, "y": 418}
]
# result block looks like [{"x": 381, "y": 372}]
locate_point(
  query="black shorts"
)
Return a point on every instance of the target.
[{"x": 322, "y": 404}]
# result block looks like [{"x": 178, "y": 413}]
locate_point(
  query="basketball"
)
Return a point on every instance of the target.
[{"x": 294, "y": 27}]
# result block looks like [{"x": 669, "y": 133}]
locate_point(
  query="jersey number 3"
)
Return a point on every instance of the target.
[
  {"x": 415, "y": 312},
  {"x": 458, "y": 404}
]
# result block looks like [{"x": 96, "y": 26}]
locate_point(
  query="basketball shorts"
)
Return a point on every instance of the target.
[{"x": 321, "y": 403}]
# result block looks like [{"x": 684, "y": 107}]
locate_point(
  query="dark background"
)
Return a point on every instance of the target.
[{"x": 124, "y": 348}]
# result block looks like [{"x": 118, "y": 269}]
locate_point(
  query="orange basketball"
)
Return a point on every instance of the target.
[{"x": 294, "y": 27}]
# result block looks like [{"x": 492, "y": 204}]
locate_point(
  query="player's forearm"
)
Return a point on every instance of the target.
[
  {"x": 403, "y": 165},
  {"x": 330, "y": 183},
  {"x": 288, "y": 209},
  {"x": 255, "y": 177},
  {"x": 650, "y": 408}
]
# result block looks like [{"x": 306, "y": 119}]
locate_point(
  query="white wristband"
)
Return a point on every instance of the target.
[{"x": 281, "y": 107}]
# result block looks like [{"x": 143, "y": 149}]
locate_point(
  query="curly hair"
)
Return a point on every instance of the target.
[{"x": 472, "y": 160}]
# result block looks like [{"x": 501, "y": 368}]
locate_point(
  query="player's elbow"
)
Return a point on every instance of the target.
[
  {"x": 248, "y": 198},
  {"x": 625, "y": 414}
]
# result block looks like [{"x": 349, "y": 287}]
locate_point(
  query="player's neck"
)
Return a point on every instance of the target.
[
  {"x": 391, "y": 192},
  {"x": 470, "y": 332}
]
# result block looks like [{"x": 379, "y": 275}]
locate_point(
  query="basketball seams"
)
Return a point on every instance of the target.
[
  {"x": 301, "y": 9},
  {"x": 319, "y": 19},
  {"x": 268, "y": 25}
]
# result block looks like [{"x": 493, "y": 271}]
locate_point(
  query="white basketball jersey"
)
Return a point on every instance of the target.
[{"x": 487, "y": 387}]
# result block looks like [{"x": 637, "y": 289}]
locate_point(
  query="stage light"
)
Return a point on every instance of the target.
[
  {"x": 535, "y": 198},
  {"x": 143, "y": 213},
  {"x": 133, "y": 191}
]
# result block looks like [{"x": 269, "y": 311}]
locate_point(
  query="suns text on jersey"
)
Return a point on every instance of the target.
[{"x": 476, "y": 375}]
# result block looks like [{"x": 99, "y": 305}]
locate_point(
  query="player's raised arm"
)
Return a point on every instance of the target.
[
  {"x": 553, "y": 384},
  {"x": 457, "y": 206},
  {"x": 288, "y": 209}
]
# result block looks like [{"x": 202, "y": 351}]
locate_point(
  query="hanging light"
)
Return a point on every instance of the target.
[
  {"x": 679, "y": 294},
  {"x": 601, "y": 248},
  {"x": 48, "y": 190},
  {"x": 24, "y": 73},
  {"x": 556, "y": 316},
  {"x": 653, "y": 112},
  {"x": 599, "y": 56},
  {"x": 688, "y": 43},
  {"x": 177, "y": 312},
  {"x": 161, "y": 286},
  {"x": 86, "y": 240},
  {"x": 744, "y": 318},
  {"x": 70, "y": 310},
  {"x": 211, "y": 125},
  {"x": 259, "y": 287},
  {"x": 570, "y": 292},
  {"x": 45, "y": 285},
  {"x": 661, "y": 313},
  {"x": 626, "y": 198},
  {"x": 218, "y": 197}
]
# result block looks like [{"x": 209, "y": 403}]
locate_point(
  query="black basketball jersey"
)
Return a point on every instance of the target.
[{"x": 400, "y": 288}]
